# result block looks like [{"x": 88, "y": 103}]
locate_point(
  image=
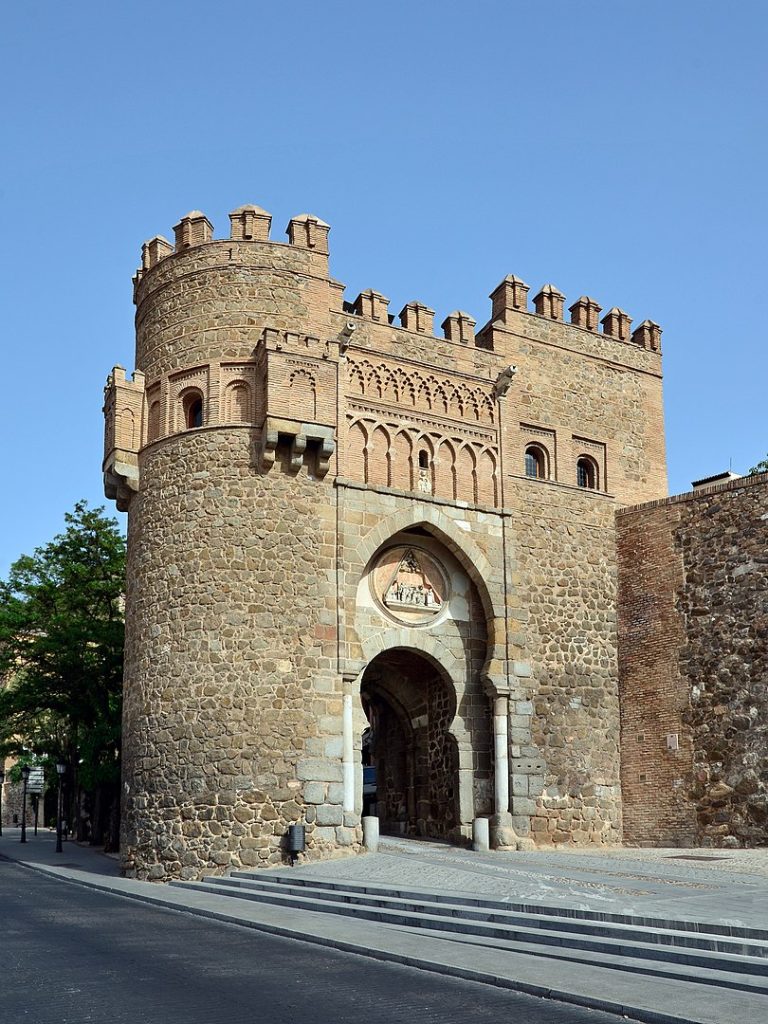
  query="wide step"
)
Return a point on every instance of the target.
[
  {"x": 622, "y": 945},
  {"x": 624, "y": 929}
]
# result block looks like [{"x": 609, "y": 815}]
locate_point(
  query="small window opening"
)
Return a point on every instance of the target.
[
  {"x": 423, "y": 459},
  {"x": 586, "y": 474},
  {"x": 535, "y": 463},
  {"x": 153, "y": 431},
  {"x": 195, "y": 413}
]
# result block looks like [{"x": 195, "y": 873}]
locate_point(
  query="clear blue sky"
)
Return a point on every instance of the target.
[{"x": 613, "y": 148}]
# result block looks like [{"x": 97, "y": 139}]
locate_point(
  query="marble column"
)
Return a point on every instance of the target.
[{"x": 501, "y": 751}]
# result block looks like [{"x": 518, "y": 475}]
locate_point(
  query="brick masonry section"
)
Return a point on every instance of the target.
[{"x": 693, "y": 656}]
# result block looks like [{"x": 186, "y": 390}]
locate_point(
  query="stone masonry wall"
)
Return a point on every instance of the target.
[
  {"x": 462, "y": 540},
  {"x": 565, "y": 548},
  {"x": 232, "y": 696},
  {"x": 694, "y": 642}
]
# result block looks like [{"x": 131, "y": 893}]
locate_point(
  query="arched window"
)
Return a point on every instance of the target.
[
  {"x": 586, "y": 473},
  {"x": 153, "y": 430},
  {"x": 238, "y": 402},
  {"x": 193, "y": 409},
  {"x": 536, "y": 462},
  {"x": 195, "y": 413},
  {"x": 423, "y": 459}
]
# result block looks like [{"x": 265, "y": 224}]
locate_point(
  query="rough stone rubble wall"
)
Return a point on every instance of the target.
[
  {"x": 233, "y": 705},
  {"x": 566, "y": 571},
  {"x": 694, "y": 643}
]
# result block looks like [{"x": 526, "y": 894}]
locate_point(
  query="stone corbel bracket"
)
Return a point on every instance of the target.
[
  {"x": 504, "y": 381},
  {"x": 121, "y": 478},
  {"x": 300, "y": 435}
]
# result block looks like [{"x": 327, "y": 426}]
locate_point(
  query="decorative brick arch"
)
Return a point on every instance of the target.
[
  {"x": 460, "y": 544},
  {"x": 452, "y": 671},
  {"x": 433, "y": 649},
  {"x": 474, "y": 562}
]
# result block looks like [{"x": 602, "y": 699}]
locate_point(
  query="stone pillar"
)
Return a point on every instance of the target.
[
  {"x": 481, "y": 842},
  {"x": 501, "y": 751},
  {"x": 371, "y": 834},
  {"x": 348, "y": 754}
]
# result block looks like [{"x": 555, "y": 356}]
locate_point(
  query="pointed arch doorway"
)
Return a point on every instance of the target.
[{"x": 410, "y": 757}]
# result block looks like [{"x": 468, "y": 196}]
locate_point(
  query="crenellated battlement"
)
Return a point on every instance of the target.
[
  {"x": 248, "y": 223},
  {"x": 511, "y": 297},
  {"x": 252, "y": 224}
]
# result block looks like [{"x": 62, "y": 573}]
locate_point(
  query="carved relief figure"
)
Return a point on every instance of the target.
[{"x": 410, "y": 585}]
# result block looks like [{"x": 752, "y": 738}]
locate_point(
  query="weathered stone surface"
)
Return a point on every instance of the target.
[{"x": 694, "y": 629}]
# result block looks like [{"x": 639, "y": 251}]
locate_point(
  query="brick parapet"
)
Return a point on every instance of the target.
[
  {"x": 754, "y": 480},
  {"x": 534, "y": 327}
]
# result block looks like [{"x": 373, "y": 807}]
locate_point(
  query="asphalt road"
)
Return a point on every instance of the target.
[{"x": 70, "y": 955}]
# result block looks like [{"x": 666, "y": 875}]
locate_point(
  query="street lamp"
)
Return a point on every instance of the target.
[
  {"x": 2, "y": 780},
  {"x": 25, "y": 776},
  {"x": 60, "y": 769}
]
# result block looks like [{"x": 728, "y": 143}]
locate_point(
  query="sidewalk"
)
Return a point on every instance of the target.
[
  {"x": 39, "y": 851},
  {"x": 652, "y": 883}
]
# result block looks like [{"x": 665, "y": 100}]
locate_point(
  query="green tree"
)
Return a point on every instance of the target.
[
  {"x": 61, "y": 656},
  {"x": 761, "y": 467}
]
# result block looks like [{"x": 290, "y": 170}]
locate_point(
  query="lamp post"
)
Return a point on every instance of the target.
[
  {"x": 60, "y": 769},
  {"x": 2, "y": 780},
  {"x": 25, "y": 777}
]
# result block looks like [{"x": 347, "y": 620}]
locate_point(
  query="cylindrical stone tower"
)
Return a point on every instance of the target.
[{"x": 233, "y": 701}]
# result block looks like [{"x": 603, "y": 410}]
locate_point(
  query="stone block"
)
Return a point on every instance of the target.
[
  {"x": 330, "y": 814},
  {"x": 521, "y": 824},
  {"x": 535, "y": 785},
  {"x": 333, "y": 748},
  {"x": 345, "y": 836},
  {"x": 320, "y": 770},
  {"x": 335, "y": 793},
  {"x": 520, "y": 785},
  {"x": 315, "y": 792}
]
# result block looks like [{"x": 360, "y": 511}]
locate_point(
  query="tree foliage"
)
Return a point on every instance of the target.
[
  {"x": 61, "y": 649},
  {"x": 761, "y": 467}
]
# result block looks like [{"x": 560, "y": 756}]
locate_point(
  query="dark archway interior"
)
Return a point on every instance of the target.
[{"x": 410, "y": 761}]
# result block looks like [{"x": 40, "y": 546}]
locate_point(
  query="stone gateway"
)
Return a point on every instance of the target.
[{"x": 363, "y": 550}]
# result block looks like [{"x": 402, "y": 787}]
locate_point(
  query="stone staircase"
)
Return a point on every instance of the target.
[{"x": 723, "y": 956}]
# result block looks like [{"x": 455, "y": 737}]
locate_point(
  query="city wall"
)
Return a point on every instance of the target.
[{"x": 693, "y": 642}]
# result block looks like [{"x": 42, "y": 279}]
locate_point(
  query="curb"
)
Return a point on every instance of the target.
[{"x": 643, "y": 1016}]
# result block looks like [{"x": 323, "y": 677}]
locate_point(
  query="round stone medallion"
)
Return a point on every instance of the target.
[{"x": 410, "y": 585}]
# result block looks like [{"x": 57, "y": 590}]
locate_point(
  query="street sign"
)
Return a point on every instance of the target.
[{"x": 36, "y": 782}]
